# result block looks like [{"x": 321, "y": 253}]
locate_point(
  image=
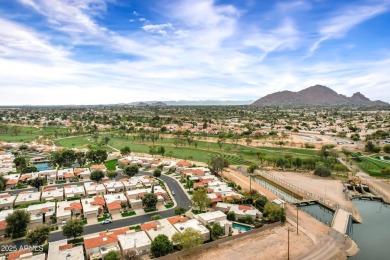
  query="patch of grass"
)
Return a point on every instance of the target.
[
  {"x": 111, "y": 165},
  {"x": 150, "y": 210},
  {"x": 169, "y": 205},
  {"x": 136, "y": 228},
  {"x": 196, "y": 212},
  {"x": 103, "y": 218},
  {"x": 128, "y": 214},
  {"x": 76, "y": 241}
]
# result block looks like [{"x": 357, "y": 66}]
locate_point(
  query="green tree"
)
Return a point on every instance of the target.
[
  {"x": 20, "y": 163},
  {"x": 106, "y": 139},
  {"x": 386, "y": 148},
  {"x": 73, "y": 228},
  {"x": 252, "y": 168},
  {"x": 37, "y": 182},
  {"x": 97, "y": 175},
  {"x": 3, "y": 183},
  {"x": 216, "y": 231},
  {"x": 248, "y": 141},
  {"x": 38, "y": 235},
  {"x": 322, "y": 171},
  {"x": 231, "y": 216},
  {"x": 189, "y": 239},
  {"x": 17, "y": 223},
  {"x": 149, "y": 201},
  {"x": 111, "y": 174},
  {"x": 200, "y": 199},
  {"x": 180, "y": 210},
  {"x": 369, "y": 147},
  {"x": 131, "y": 170},
  {"x": 157, "y": 173},
  {"x": 161, "y": 246},
  {"x": 125, "y": 150},
  {"x": 274, "y": 212},
  {"x": 386, "y": 171},
  {"x": 161, "y": 150},
  {"x": 112, "y": 255},
  {"x": 217, "y": 163},
  {"x": 156, "y": 217}
]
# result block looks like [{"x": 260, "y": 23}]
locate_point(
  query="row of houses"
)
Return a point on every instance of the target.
[{"x": 6, "y": 163}]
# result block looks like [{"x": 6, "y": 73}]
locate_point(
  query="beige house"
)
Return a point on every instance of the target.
[
  {"x": 3, "y": 223},
  {"x": 26, "y": 254},
  {"x": 7, "y": 201},
  {"x": 84, "y": 174},
  {"x": 134, "y": 241},
  {"x": 194, "y": 224},
  {"x": 209, "y": 218},
  {"x": 50, "y": 175},
  {"x": 161, "y": 226},
  {"x": 61, "y": 250},
  {"x": 97, "y": 246},
  {"x": 93, "y": 188},
  {"x": 92, "y": 207},
  {"x": 28, "y": 197},
  {"x": 67, "y": 209},
  {"x": 73, "y": 191},
  {"x": 61, "y": 174},
  {"x": 100, "y": 167},
  {"x": 130, "y": 183},
  {"x": 41, "y": 213},
  {"x": 52, "y": 193},
  {"x": 114, "y": 186}
]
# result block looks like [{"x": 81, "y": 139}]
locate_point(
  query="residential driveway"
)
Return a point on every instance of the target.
[
  {"x": 116, "y": 216},
  {"x": 92, "y": 221}
]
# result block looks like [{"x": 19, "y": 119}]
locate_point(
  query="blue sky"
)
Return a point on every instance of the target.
[{"x": 120, "y": 51}]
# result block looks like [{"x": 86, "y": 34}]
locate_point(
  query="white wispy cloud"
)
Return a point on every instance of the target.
[
  {"x": 210, "y": 52},
  {"x": 346, "y": 19}
]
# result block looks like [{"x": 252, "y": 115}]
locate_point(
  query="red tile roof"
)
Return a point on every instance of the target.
[
  {"x": 149, "y": 225},
  {"x": 98, "y": 166},
  {"x": 5, "y": 195},
  {"x": 114, "y": 206},
  {"x": 3, "y": 225},
  {"x": 12, "y": 182},
  {"x": 184, "y": 163},
  {"x": 48, "y": 188},
  {"x": 17, "y": 254},
  {"x": 216, "y": 200},
  {"x": 74, "y": 206},
  {"x": 98, "y": 201},
  {"x": 24, "y": 177},
  {"x": 100, "y": 241},
  {"x": 243, "y": 207},
  {"x": 69, "y": 175},
  {"x": 176, "y": 219},
  {"x": 65, "y": 247}
]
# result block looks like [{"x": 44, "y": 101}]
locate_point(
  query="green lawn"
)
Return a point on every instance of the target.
[
  {"x": 136, "y": 228},
  {"x": 169, "y": 205},
  {"x": 236, "y": 155},
  {"x": 128, "y": 214},
  {"x": 373, "y": 167},
  {"x": 27, "y": 134},
  {"x": 111, "y": 165}
]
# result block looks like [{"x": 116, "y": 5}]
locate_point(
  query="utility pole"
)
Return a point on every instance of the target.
[
  {"x": 288, "y": 244},
  {"x": 297, "y": 220}
]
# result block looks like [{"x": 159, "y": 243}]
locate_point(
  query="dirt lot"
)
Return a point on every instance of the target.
[{"x": 270, "y": 244}]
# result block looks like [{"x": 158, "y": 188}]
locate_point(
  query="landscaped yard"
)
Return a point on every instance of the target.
[
  {"x": 136, "y": 228},
  {"x": 169, "y": 205},
  {"x": 27, "y": 134},
  {"x": 111, "y": 165},
  {"x": 128, "y": 214}
]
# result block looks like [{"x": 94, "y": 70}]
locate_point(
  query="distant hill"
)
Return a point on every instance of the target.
[
  {"x": 317, "y": 95},
  {"x": 196, "y": 103}
]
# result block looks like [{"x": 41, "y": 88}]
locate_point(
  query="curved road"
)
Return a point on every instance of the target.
[{"x": 180, "y": 197}]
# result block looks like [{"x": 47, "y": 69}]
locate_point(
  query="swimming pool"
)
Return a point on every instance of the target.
[
  {"x": 240, "y": 227},
  {"x": 42, "y": 166}
]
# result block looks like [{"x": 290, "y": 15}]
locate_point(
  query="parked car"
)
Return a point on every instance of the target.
[
  {"x": 63, "y": 223},
  {"x": 107, "y": 221},
  {"x": 173, "y": 193}
]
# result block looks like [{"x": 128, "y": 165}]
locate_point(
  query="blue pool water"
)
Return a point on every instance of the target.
[
  {"x": 243, "y": 228},
  {"x": 42, "y": 166}
]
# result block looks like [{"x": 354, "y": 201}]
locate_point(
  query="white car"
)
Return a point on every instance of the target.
[
  {"x": 173, "y": 193},
  {"x": 63, "y": 223},
  {"x": 107, "y": 221}
]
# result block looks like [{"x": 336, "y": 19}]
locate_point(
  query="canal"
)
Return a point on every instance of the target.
[{"x": 373, "y": 235}]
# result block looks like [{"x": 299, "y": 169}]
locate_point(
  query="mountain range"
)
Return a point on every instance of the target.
[{"x": 317, "y": 95}]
